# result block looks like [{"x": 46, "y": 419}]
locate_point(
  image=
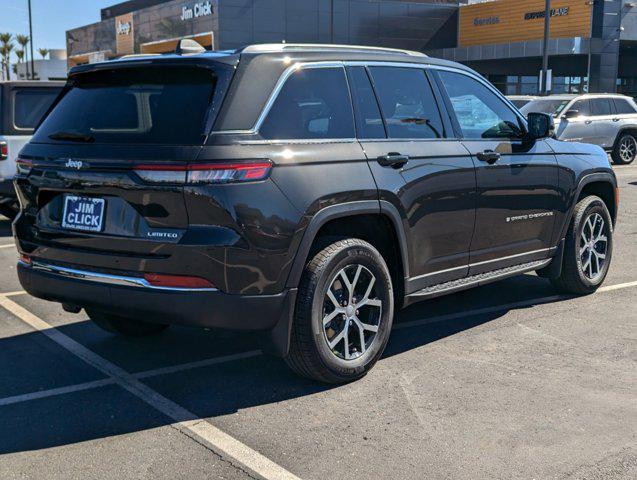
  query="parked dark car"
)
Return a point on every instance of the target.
[
  {"x": 22, "y": 106},
  {"x": 307, "y": 192}
]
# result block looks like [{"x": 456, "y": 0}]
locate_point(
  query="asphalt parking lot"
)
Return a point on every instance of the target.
[{"x": 506, "y": 381}]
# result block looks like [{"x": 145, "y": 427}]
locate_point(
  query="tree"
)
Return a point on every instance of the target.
[
  {"x": 43, "y": 52},
  {"x": 6, "y": 47},
  {"x": 19, "y": 55},
  {"x": 23, "y": 41}
]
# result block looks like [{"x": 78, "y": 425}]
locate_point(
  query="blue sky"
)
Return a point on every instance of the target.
[{"x": 51, "y": 18}]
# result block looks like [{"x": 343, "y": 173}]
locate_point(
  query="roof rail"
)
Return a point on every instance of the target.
[{"x": 281, "y": 47}]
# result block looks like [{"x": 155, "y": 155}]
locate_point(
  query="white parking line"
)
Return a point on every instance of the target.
[
  {"x": 10, "y": 245},
  {"x": 190, "y": 424},
  {"x": 201, "y": 363},
  {"x": 78, "y": 387}
]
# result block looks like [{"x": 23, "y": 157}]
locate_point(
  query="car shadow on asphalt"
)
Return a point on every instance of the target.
[
  {"x": 5, "y": 228},
  {"x": 210, "y": 391}
]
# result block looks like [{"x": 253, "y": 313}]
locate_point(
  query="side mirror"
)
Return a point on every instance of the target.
[
  {"x": 571, "y": 114},
  {"x": 541, "y": 125}
]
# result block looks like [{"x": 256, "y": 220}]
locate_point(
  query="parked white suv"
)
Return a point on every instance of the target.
[
  {"x": 22, "y": 105},
  {"x": 607, "y": 120}
]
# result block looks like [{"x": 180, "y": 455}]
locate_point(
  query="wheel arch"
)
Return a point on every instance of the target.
[
  {"x": 335, "y": 214},
  {"x": 632, "y": 129},
  {"x": 602, "y": 184}
]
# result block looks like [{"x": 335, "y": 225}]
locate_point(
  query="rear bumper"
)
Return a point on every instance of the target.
[
  {"x": 6, "y": 189},
  {"x": 123, "y": 296}
]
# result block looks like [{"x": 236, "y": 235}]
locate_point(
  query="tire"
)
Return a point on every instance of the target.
[
  {"x": 625, "y": 149},
  {"x": 126, "y": 327},
  {"x": 579, "y": 275},
  {"x": 9, "y": 210},
  {"x": 368, "y": 311}
]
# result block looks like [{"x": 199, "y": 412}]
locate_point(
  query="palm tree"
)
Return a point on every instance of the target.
[
  {"x": 43, "y": 52},
  {"x": 5, "y": 51},
  {"x": 23, "y": 41},
  {"x": 20, "y": 56}
]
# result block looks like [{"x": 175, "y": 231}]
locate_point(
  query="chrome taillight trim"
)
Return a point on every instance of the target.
[{"x": 106, "y": 278}]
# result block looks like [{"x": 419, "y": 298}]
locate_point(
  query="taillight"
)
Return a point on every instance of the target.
[
  {"x": 24, "y": 165},
  {"x": 177, "y": 281},
  {"x": 4, "y": 151},
  {"x": 25, "y": 259},
  {"x": 205, "y": 173}
]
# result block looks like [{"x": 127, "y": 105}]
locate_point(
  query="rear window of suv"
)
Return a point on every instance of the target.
[
  {"x": 153, "y": 105},
  {"x": 30, "y": 105}
]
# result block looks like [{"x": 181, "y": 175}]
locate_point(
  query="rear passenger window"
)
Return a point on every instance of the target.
[
  {"x": 407, "y": 102},
  {"x": 369, "y": 122},
  {"x": 623, "y": 106},
  {"x": 314, "y": 103},
  {"x": 601, "y": 106},
  {"x": 31, "y": 105}
]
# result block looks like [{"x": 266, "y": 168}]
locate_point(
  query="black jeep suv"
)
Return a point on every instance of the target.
[{"x": 304, "y": 191}]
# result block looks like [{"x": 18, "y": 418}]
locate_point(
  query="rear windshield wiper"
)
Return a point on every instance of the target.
[{"x": 73, "y": 137}]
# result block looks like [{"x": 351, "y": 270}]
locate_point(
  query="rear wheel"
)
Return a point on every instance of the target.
[
  {"x": 625, "y": 150},
  {"x": 344, "y": 313},
  {"x": 127, "y": 327},
  {"x": 588, "y": 248}
]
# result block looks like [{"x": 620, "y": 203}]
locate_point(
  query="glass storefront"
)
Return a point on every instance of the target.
[{"x": 529, "y": 84}]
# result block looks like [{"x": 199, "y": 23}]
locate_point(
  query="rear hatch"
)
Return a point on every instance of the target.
[{"x": 104, "y": 171}]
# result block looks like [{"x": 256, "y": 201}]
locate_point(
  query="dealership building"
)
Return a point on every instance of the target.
[{"x": 502, "y": 39}]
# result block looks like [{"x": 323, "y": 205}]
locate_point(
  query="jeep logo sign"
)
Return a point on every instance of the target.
[
  {"x": 123, "y": 28},
  {"x": 199, "y": 9},
  {"x": 70, "y": 163}
]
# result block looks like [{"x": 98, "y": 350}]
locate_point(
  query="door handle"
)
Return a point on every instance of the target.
[
  {"x": 588, "y": 122},
  {"x": 488, "y": 156},
  {"x": 393, "y": 159},
  {"x": 615, "y": 119}
]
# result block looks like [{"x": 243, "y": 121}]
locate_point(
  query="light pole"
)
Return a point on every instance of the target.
[
  {"x": 545, "y": 50},
  {"x": 31, "y": 43},
  {"x": 590, "y": 49}
]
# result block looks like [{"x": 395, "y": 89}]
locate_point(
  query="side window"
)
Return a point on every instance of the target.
[
  {"x": 31, "y": 105},
  {"x": 314, "y": 103},
  {"x": 623, "y": 106},
  {"x": 407, "y": 103},
  {"x": 601, "y": 106},
  {"x": 583, "y": 107},
  {"x": 480, "y": 112},
  {"x": 369, "y": 122}
]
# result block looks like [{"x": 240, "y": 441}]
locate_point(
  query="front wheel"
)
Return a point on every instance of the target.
[
  {"x": 344, "y": 313},
  {"x": 625, "y": 150},
  {"x": 126, "y": 327},
  {"x": 588, "y": 248}
]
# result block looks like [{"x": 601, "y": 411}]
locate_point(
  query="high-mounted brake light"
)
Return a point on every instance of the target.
[
  {"x": 177, "y": 281},
  {"x": 4, "y": 151},
  {"x": 203, "y": 173},
  {"x": 23, "y": 165}
]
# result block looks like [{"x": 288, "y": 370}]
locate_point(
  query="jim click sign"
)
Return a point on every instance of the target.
[{"x": 556, "y": 12}]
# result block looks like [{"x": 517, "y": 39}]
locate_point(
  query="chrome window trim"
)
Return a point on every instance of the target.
[
  {"x": 342, "y": 64},
  {"x": 105, "y": 278}
]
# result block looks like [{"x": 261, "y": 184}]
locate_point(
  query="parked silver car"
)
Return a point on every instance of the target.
[{"x": 607, "y": 120}]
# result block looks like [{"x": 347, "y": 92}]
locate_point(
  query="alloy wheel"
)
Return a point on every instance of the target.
[
  {"x": 628, "y": 149},
  {"x": 351, "y": 312},
  {"x": 593, "y": 246}
]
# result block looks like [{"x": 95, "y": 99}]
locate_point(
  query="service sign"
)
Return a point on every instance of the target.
[{"x": 508, "y": 21}]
